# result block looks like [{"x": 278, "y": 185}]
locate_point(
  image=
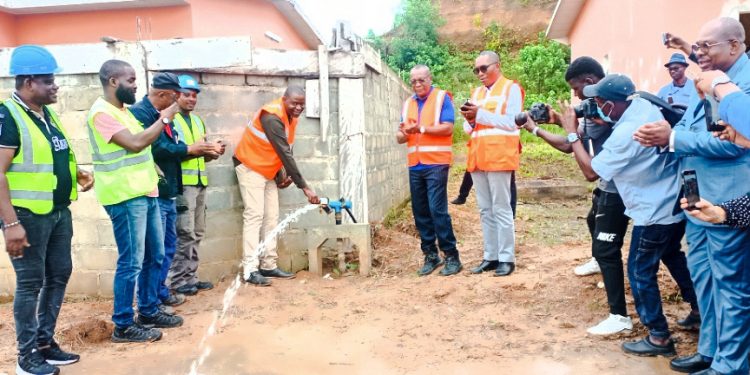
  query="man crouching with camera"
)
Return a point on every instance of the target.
[{"x": 606, "y": 220}]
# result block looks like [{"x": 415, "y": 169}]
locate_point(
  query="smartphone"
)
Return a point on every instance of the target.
[
  {"x": 711, "y": 109},
  {"x": 665, "y": 38},
  {"x": 690, "y": 188},
  {"x": 466, "y": 104}
]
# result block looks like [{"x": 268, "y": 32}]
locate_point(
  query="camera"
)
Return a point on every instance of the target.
[
  {"x": 539, "y": 112},
  {"x": 587, "y": 109}
]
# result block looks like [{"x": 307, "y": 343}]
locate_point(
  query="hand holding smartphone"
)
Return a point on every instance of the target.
[{"x": 690, "y": 188}]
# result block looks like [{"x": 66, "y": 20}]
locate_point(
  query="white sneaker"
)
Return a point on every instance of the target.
[
  {"x": 589, "y": 268},
  {"x": 613, "y": 324}
]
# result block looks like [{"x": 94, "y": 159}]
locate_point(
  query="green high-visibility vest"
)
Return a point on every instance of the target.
[
  {"x": 31, "y": 177},
  {"x": 193, "y": 169},
  {"x": 120, "y": 174}
]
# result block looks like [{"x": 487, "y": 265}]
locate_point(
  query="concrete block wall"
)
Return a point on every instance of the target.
[
  {"x": 387, "y": 171},
  {"x": 227, "y": 102}
]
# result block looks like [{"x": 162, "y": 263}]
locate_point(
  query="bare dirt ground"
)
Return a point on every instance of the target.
[{"x": 393, "y": 322}]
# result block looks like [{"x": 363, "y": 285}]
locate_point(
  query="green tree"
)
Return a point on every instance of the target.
[{"x": 540, "y": 68}]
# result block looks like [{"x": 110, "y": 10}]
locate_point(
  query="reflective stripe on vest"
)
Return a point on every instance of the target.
[
  {"x": 193, "y": 170},
  {"x": 254, "y": 149},
  {"x": 494, "y": 148},
  {"x": 120, "y": 174},
  {"x": 425, "y": 148},
  {"x": 31, "y": 178}
]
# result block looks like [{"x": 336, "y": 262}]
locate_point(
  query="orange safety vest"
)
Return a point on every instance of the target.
[
  {"x": 254, "y": 149},
  {"x": 425, "y": 148},
  {"x": 492, "y": 148}
]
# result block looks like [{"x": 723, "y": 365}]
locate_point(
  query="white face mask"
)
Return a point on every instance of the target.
[{"x": 601, "y": 113}]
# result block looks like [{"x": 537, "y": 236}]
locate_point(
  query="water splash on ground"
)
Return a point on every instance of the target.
[{"x": 220, "y": 318}]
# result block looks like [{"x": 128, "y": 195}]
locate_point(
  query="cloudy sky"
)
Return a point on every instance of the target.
[{"x": 363, "y": 15}]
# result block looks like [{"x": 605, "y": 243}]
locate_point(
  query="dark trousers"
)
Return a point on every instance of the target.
[
  {"x": 649, "y": 245},
  {"x": 41, "y": 276},
  {"x": 467, "y": 183},
  {"x": 168, "y": 211},
  {"x": 429, "y": 203},
  {"x": 607, "y": 223}
]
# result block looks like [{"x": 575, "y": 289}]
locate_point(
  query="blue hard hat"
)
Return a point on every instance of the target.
[
  {"x": 188, "y": 82},
  {"x": 31, "y": 59}
]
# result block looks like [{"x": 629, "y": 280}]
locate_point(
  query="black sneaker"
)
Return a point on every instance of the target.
[
  {"x": 136, "y": 333},
  {"x": 257, "y": 279},
  {"x": 159, "y": 320},
  {"x": 203, "y": 285},
  {"x": 56, "y": 356},
  {"x": 431, "y": 263},
  {"x": 34, "y": 364},
  {"x": 452, "y": 266},
  {"x": 174, "y": 299},
  {"x": 187, "y": 289}
]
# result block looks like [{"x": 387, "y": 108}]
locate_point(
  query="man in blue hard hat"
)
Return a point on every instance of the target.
[
  {"x": 38, "y": 173},
  {"x": 191, "y": 204}
]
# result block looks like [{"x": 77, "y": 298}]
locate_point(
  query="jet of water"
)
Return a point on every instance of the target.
[{"x": 231, "y": 292}]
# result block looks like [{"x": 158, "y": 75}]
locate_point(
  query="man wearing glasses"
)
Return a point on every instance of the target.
[
  {"x": 681, "y": 88},
  {"x": 719, "y": 256},
  {"x": 427, "y": 129},
  {"x": 494, "y": 153}
]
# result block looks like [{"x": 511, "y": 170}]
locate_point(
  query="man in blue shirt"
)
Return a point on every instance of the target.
[
  {"x": 427, "y": 128},
  {"x": 681, "y": 88},
  {"x": 719, "y": 256},
  {"x": 648, "y": 184}
]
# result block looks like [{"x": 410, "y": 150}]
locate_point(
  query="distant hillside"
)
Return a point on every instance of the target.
[{"x": 467, "y": 18}]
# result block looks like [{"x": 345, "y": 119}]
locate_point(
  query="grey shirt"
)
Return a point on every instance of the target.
[{"x": 593, "y": 137}]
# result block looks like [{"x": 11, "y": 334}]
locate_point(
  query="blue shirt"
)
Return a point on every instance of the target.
[
  {"x": 679, "y": 95},
  {"x": 735, "y": 110},
  {"x": 447, "y": 114},
  {"x": 646, "y": 179}
]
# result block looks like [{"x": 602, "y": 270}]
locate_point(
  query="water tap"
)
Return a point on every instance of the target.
[{"x": 337, "y": 206}]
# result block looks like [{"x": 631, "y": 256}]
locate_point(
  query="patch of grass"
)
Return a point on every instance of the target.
[
  {"x": 553, "y": 223},
  {"x": 397, "y": 214}
]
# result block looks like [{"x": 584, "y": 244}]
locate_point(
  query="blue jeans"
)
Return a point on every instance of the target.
[
  {"x": 140, "y": 245},
  {"x": 41, "y": 276},
  {"x": 649, "y": 245},
  {"x": 429, "y": 203},
  {"x": 168, "y": 209}
]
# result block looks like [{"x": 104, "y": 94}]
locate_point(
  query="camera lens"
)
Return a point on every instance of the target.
[{"x": 521, "y": 118}]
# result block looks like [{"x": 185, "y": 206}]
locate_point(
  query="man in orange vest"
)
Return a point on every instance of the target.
[
  {"x": 427, "y": 129},
  {"x": 264, "y": 163},
  {"x": 494, "y": 153}
]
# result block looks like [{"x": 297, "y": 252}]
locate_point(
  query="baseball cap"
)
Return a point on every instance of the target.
[
  {"x": 167, "y": 81},
  {"x": 612, "y": 87},
  {"x": 188, "y": 82}
]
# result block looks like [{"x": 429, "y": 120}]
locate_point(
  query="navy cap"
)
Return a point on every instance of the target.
[
  {"x": 612, "y": 87},
  {"x": 167, "y": 81},
  {"x": 677, "y": 58}
]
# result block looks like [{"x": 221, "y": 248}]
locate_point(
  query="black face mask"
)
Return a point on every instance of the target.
[{"x": 124, "y": 95}]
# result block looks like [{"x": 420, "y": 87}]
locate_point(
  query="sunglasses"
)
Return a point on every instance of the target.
[{"x": 483, "y": 68}]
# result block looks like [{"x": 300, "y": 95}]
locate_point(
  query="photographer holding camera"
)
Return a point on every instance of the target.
[
  {"x": 606, "y": 220},
  {"x": 648, "y": 184}
]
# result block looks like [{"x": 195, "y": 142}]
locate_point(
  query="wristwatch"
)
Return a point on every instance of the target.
[
  {"x": 165, "y": 120},
  {"x": 422, "y": 129},
  {"x": 572, "y": 137},
  {"x": 722, "y": 79},
  {"x": 535, "y": 131}
]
